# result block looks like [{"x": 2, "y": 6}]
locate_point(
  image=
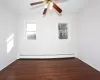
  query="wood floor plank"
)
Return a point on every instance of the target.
[{"x": 53, "y": 69}]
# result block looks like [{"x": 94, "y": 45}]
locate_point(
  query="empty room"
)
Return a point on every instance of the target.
[{"x": 49, "y": 39}]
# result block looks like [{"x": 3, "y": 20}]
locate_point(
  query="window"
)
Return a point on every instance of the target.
[
  {"x": 31, "y": 31},
  {"x": 63, "y": 30},
  {"x": 10, "y": 43}
]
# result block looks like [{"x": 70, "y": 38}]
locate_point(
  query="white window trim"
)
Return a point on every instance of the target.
[{"x": 25, "y": 28}]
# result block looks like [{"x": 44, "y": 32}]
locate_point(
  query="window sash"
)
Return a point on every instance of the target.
[
  {"x": 31, "y": 27},
  {"x": 31, "y": 35}
]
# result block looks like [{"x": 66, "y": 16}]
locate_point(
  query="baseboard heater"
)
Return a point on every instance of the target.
[{"x": 47, "y": 56}]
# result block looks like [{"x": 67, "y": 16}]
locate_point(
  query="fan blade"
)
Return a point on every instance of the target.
[
  {"x": 57, "y": 8},
  {"x": 35, "y": 3},
  {"x": 45, "y": 10}
]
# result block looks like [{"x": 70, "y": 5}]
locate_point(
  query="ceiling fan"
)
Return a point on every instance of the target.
[{"x": 49, "y": 4}]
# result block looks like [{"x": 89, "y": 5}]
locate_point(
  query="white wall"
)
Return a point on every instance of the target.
[
  {"x": 47, "y": 42},
  {"x": 89, "y": 34},
  {"x": 8, "y": 25}
]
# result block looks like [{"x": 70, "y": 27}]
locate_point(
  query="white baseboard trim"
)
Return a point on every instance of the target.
[
  {"x": 98, "y": 69},
  {"x": 46, "y": 56},
  {"x": 7, "y": 65}
]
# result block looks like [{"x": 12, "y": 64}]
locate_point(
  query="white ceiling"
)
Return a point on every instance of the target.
[{"x": 23, "y": 6}]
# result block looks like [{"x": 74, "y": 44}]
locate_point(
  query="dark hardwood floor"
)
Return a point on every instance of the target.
[{"x": 53, "y": 69}]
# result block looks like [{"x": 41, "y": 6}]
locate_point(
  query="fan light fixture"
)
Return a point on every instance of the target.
[
  {"x": 51, "y": 5},
  {"x": 48, "y": 4}
]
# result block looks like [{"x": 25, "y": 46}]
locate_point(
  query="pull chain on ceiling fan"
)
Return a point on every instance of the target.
[{"x": 48, "y": 4}]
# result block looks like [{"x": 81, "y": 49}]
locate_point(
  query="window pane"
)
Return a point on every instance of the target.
[
  {"x": 63, "y": 31},
  {"x": 31, "y": 35},
  {"x": 31, "y": 27},
  {"x": 10, "y": 45}
]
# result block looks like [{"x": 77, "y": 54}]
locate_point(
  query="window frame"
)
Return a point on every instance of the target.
[{"x": 26, "y": 37}]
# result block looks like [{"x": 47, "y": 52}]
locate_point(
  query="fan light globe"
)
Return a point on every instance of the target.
[
  {"x": 46, "y": 5},
  {"x": 51, "y": 5}
]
